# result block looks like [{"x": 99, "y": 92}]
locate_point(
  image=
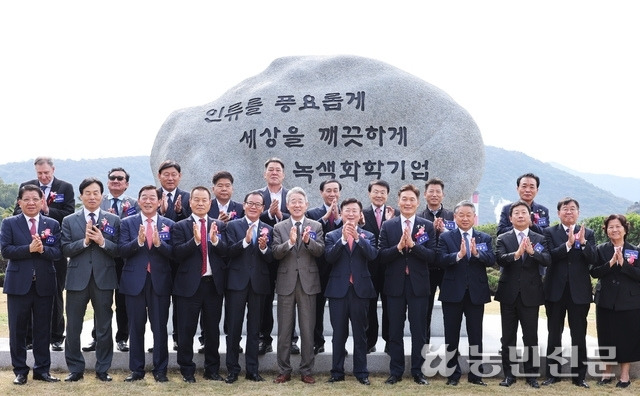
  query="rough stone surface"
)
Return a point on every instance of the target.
[{"x": 367, "y": 120}]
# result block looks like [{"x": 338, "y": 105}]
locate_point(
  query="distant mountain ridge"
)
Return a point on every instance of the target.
[{"x": 496, "y": 188}]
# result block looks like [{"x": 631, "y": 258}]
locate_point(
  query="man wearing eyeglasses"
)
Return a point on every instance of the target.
[
  {"x": 567, "y": 289},
  {"x": 59, "y": 202},
  {"x": 248, "y": 285},
  {"x": 121, "y": 205}
]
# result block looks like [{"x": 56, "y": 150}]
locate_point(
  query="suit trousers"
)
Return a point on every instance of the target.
[
  {"x": 511, "y": 315},
  {"x": 286, "y": 314},
  {"x": 101, "y": 301},
  {"x": 21, "y": 309},
  {"x": 452, "y": 313},
  {"x": 235, "y": 303},
  {"x": 556, "y": 312},
  {"x": 148, "y": 302},
  {"x": 341, "y": 310},
  {"x": 399, "y": 307},
  {"x": 208, "y": 303}
]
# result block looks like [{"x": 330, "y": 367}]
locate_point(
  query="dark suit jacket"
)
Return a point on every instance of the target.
[
  {"x": 15, "y": 238},
  {"x": 233, "y": 206},
  {"x": 370, "y": 223},
  {"x": 64, "y": 192},
  {"x": 248, "y": 266},
  {"x": 136, "y": 257},
  {"x": 186, "y": 208},
  {"x": 106, "y": 204},
  {"x": 618, "y": 286},
  {"x": 266, "y": 196},
  {"x": 539, "y": 217},
  {"x": 345, "y": 263},
  {"x": 298, "y": 260},
  {"x": 84, "y": 261},
  {"x": 418, "y": 259},
  {"x": 468, "y": 273},
  {"x": 522, "y": 275},
  {"x": 572, "y": 266},
  {"x": 189, "y": 258}
]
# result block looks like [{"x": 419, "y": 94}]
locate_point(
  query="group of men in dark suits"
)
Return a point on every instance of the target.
[{"x": 199, "y": 250}]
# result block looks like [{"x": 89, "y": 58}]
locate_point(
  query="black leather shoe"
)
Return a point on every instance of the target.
[
  {"x": 318, "y": 349},
  {"x": 605, "y": 381},
  {"x": 263, "y": 348},
  {"x": 104, "y": 377},
  {"x": 29, "y": 346},
  {"x": 90, "y": 348},
  {"x": 134, "y": 377},
  {"x": 161, "y": 377},
  {"x": 551, "y": 381},
  {"x": 21, "y": 379},
  {"x": 122, "y": 346},
  {"x": 364, "y": 381},
  {"x": 508, "y": 381},
  {"x": 532, "y": 382},
  {"x": 621, "y": 384},
  {"x": 74, "y": 377},
  {"x": 189, "y": 379},
  {"x": 294, "y": 349},
  {"x": 56, "y": 346},
  {"x": 581, "y": 383},
  {"x": 231, "y": 378},
  {"x": 420, "y": 379},
  {"x": 46, "y": 377},
  {"x": 240, "y": 350},
  {"x": 255, "y": 377},
  {"x": 392, "y": 380},
  {"x": 478, "y": 381},
  {"x": 336, "y": 378},
  {"x": 175, "y": 346},
  {"x": 201, "y": 349},
  {"x": 453, "y": 382},
  {"x": 214, "y": 377}
]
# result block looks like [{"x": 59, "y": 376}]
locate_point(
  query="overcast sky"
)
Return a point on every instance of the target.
[{"x": 557, "y": 80}]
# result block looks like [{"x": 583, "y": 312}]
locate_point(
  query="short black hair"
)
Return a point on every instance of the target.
[
  {"x": 89, "y": 181},
  {"x": 222, "y": 175},
  {"x": 119, "y": 169},
  {"x": 254, "y": 192},
  {"x": 519, "y": 203},
  {"x": 379, "y": 182},
  {"x": 169, "y": 164},
  {"x": 150, "y": 187},
  {"x": 325, "y": 182},
  {"x": 30, "y": 187},
  {"x": 567, "y": 201},
  {"x": 434, "y": 180},
  {"x": 531, "y": 175},
  {"x": 350, "y": 201},
  {"x": 273, "y": 159}
]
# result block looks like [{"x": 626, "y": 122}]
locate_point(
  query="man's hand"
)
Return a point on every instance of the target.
[{"x": 36, "y": 244}]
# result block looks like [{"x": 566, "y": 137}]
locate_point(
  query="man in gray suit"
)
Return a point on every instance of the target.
[
  {"x": 122, "y": 205},
  {"x": 297, "y": 242},
  {"x": 90, "y": 240}
]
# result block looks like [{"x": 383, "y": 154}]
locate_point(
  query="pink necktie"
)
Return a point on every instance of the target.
[
  {"x": 32, "y": 229},
  {"x": 203, "y": 244},
  {"x": 408, "y": 223},
  {"x": 149, "y": 234},
  {"x": 350, "y": 243},
  {"x": 379, "y": 217}
]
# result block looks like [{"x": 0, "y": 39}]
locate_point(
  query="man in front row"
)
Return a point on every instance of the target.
[
  {"x": 348, "y": 251},
  {"x": 297, "y": 242},
  {"x": 31, "y": 243},
  {"x": 248, "y": 284},
  {"x": 199, "y": 244},
  {"x": 520, "y": 253},
  {"x": 407, "y": 249},
  {"x": 465, "y": 254},
  {"x": 146, "y": 247},
  {"x": 90, "y": 240}
]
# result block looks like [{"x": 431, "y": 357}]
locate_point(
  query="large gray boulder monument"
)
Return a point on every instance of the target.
[{"x": 350, "y": 118}]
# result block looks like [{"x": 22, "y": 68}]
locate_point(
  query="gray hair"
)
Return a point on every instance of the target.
[
  {"x": 297, "y": 190},
  {"x": 465, "y": 202},
  {"x": 43, "y": 160}
]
